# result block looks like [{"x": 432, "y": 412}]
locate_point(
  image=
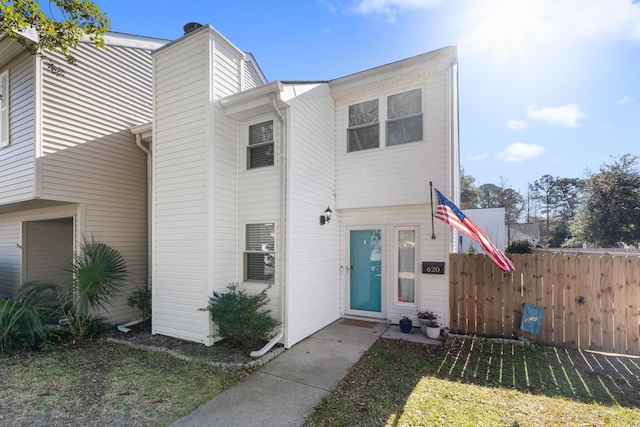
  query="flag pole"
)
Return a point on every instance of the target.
[{"x": 433, "y": 233}]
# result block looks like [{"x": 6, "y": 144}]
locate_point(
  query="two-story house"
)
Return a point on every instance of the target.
[
  {"x": 243, "y": 172},
  {"x": 69, "y": 166}
]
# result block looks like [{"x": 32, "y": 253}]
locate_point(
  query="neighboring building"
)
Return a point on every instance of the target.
[
  {"x": 69, "y": 167},
  {"x": 492, "y": 222},
  {"x": 243, "y": 170}
]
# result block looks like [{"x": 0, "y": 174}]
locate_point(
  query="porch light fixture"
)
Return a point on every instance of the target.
[{"x": 325, "y": 216}]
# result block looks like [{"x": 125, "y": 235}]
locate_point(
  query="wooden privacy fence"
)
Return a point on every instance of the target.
[{"x": 592, "y": 301}]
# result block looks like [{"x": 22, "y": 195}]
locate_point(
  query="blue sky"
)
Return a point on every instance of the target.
[{"x": 546, "y": 86}]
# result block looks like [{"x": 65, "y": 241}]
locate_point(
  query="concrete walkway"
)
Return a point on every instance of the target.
[{"x": 285, "y": 390}]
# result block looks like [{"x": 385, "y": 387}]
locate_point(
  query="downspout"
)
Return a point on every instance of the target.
[
  {"x": 282, "y": 231},
  {"x": 149, "y": 189}
]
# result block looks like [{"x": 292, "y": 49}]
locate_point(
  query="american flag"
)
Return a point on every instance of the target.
[{"x": 452, "y": 215}]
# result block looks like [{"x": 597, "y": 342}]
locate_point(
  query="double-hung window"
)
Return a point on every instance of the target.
[
  {"x": 404, "y": 117},
  {"x": 260, "y": 150},
  {"x": 364, "y": 128},
  {"x": 259, "y": 254},
  {"x": 4, "y": 109}
]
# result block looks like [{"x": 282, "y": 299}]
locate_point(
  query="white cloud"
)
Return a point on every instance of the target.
[
  {"x": 517, "y": 124},
  {"x": 389, "y": 8},
  {"x": 625, "y": 100},
  {"x": 519, "y": 151},
  {"x": 567, "y": 115}
]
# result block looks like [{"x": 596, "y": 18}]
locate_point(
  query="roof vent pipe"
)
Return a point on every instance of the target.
[{"x": 191, "y": 26}]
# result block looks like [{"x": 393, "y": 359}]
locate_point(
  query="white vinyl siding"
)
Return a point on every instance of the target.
[
  {"x": 195, "y": 156},
  {"x": 4, "y": 109},
  {"x": 395, "y": 175},
  {"x": 17, "y": 160},
  {"x": 313, "y": 263}
]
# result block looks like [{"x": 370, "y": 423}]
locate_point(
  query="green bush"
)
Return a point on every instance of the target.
[
  {"x": 25, "y": 316},
  {"x": 99, "y": 273},
  {"x": 239, "y": 318},
  {"x": 519, "y": 247},
  {"x": 141, "y": 299}
]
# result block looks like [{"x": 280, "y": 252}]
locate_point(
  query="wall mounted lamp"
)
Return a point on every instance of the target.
[{"x": 325, "y": 216}]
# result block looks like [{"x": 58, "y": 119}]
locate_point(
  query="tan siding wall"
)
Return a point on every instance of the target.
[
  {"x": 17, "y": 161},
  {"x": 11, "y": 244},
  {"x": 313, "y": 261},
  {"x": 397, "y": 175},
  {"x": 89, "y": 156}
]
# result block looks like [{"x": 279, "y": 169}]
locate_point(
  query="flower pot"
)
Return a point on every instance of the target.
[
  {"x": 405, "y": 327},
  {"x": 432, "y": 332},
  {"x": 423, "y": 326}
]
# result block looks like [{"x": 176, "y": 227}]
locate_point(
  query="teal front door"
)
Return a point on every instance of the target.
[{"x": 365, "y": 271}]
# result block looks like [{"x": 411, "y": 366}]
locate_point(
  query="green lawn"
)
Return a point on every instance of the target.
[{"x": 469, "y": 382}]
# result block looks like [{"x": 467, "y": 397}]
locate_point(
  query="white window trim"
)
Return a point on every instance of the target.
[
  {"x": 244, "y": 252},
  {"x": 4, "y": 109},
  {"x": 275, "y": 146},
  {"x": 382, "y": 113},
  {"x": 396, "y": 267}
]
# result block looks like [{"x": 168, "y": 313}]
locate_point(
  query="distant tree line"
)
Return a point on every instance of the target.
[{"x": 601, "y": 209}]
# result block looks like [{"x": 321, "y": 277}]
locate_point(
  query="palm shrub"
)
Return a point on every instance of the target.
[
  {"x": 239, "y": 318},
  {"x": 99, "y": 272},
  {"x": 25, "y": 316}
]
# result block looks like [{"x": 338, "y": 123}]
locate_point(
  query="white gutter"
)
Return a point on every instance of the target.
[
  {"x": 125, "y": 328},
  {"x": 149, "y": 189},
  {"x": 282, "y": 231}
]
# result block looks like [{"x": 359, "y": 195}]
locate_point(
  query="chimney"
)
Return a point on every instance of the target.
[{"x": 190, "y": 27}]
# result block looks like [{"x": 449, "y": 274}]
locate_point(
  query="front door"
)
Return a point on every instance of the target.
[{"x": 365, "y": 273}]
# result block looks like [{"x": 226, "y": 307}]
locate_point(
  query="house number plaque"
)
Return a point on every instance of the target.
[{"x": 433, "y": 267}]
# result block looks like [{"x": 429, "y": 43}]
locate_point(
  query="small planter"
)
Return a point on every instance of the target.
[
  {"x": 433, "y": 332},
  {"x": 405, "y": 327},
  {"x": 423, "y": 326}
]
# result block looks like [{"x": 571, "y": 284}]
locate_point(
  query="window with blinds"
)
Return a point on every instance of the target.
[
  {"x": 259, "y": 255},
  {"x": 364, "y": 128},
  {"x": 4, "y": 109},
  {"x": 404, "y": 117},
  {"x": 260, "y": 151}
]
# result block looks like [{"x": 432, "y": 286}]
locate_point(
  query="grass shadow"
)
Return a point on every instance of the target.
[{"x": 480, "y": 381}]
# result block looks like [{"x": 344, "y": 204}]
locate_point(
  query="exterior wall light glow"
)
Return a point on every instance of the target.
[{"x": 325, "y": 216}]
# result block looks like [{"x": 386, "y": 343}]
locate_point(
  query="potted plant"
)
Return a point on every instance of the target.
[
  {"x": 405, "y": 324},
  {"x": 429, "y": 324}
]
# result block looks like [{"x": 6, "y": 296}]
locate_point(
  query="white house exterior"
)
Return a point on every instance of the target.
[
  {"x": 243, "y": 169},
  {"x": 69, "y": 167},
  {"x": 492, "y": 222}
]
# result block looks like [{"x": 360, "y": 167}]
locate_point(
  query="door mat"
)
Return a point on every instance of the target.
[{"x": 359, "y": 323}]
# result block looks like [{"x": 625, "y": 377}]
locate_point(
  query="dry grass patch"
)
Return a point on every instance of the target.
[{"x": 104, "y": 384}]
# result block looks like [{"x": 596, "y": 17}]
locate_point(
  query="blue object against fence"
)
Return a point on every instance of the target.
[{"x": 532, "y": 316}]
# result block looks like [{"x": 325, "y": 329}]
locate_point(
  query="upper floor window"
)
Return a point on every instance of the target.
[
  {"x": 404, "y": 117},
  {"x": 260, "y": 151},
  {"x": 259, "y": 252},
  {"x": 4, "y": 109},
  {"x": 364, "y": 129}
]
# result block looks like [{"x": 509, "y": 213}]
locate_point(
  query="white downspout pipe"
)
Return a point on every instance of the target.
[
  {"x": 149, "y": 189},
  {"x": 282, "y": 229}
]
